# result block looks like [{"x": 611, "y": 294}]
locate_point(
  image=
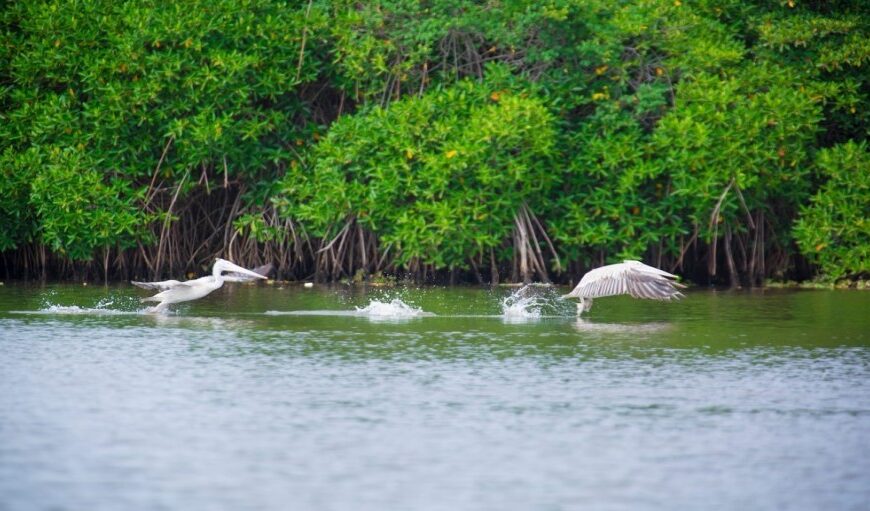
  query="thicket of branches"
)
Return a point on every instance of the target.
[{"x": 443, "y": 140}]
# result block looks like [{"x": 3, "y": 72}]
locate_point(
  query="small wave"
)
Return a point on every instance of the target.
[{"x": 394, "y": 309}]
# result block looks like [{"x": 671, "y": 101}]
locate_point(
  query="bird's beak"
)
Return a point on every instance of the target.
[{"x": 242, "y": 271}]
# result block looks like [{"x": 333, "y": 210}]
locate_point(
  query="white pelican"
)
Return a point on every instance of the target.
[
  {"x": 628, "y": 277},
  {"x": 173, "y": 291}
]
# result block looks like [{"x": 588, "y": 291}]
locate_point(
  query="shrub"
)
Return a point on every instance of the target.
[
  {"x": 438, "y": 177},
  {"x": 833, "y": 230},
  {"x": 78, "y": 212}
]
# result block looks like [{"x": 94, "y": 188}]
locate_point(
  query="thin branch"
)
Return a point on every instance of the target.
[
  {"x": 149, "y": 195},
  {"x": 302, "y": 46},
  {"x": 157, "y": 265}
]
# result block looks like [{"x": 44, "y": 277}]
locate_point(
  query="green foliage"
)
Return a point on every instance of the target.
[
  {"x": 77, "y": 211},
  {"x": 630, "y": 129},
  {"x": 387, "y": 48},
  {"x": 754, "y": 129},
  {"x": 438, "y": 177},
  {"x": 219, "y": 78},
  {"x": 155, "y": 93},
  {"x": 16, "y": 216},
  {"x": 609, "y": 200},
  {"x": 833, "y": 230},
  {"x": 734, "y": 140},
  {"x": 826, "y": 41}
]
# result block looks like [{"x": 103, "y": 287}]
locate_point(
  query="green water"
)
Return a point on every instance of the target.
[{"x": 269, "y": 397}]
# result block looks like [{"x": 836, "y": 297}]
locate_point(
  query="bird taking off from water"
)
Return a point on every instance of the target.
[
  {"x": 173, "y": 291},
  {"x": 628, "y": 277}
]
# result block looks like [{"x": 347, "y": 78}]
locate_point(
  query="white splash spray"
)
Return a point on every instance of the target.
[
  {"x": 75, "y": 309},
  {"x": 523, "y": 304},
  {"x": 394, "y": 309},
  {"x": 534, "y": 301},
  {"x": 109, "y": 305}
]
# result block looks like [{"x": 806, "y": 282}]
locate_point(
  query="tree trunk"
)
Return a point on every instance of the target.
[{"x": 729, "y": 259}]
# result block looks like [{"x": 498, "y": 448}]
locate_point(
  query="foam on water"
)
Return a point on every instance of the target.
[
  {"x": 75, "y": 309},
  {"x": 109, "y": 305}
]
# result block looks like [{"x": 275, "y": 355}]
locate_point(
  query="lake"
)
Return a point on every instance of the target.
[{"x": 336, "y": 398}]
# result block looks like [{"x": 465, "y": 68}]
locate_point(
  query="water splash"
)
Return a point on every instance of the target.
[
  {"x": 394, "y": 309},
  {"x": 108, "y": 305},
  {"x": 46, "y": 301},
  {"x": 522, "y": 304},
  {"x": 105, "y": 303},
  {"x": 75, "y": 309},
  {"x": 532, "y": 302}
]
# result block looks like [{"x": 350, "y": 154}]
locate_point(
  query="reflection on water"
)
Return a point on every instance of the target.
[
  {"x": 193, "y": 322},
  {"x": 633, "y": 329},
  {"x": 476, "y": 399}
]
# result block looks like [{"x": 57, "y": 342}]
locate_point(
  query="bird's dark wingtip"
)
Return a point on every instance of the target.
[{"x": 264, "y": 270}]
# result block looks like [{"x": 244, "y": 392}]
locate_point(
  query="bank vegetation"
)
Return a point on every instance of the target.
[{"x": 441, "y": 141}]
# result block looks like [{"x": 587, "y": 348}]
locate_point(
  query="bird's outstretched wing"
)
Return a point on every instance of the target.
[
  {"x": 652, "y": 287},
  {"x": 630, "y": 277},
  {"x": 157, "y": 286},
  {"x": 179, "y": 288}
]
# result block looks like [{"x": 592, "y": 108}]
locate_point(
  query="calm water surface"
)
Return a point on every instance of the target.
[{"x": 280, "y": 398}]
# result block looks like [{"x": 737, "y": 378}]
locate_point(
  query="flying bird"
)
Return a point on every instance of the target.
[
  {"x": 174, "y": 291},
  {"x": 628, "y": 277}
]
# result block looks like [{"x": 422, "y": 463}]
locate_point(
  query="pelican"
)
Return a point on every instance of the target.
[
  {"x": 173, "y": 291},
  {"x": 628, "y": 277}
]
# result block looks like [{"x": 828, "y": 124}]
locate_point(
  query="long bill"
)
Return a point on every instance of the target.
[{"x": 236, "y": 269}]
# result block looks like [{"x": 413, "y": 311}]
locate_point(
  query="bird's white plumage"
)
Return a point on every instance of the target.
[
  {"x": 163, "y": 285},
  {"x": 174, "y": 291},
  {"x": 231, "y": 276},
  {"x": 629, "y": 277}
]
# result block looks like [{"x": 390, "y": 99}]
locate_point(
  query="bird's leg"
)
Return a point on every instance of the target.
[
  {"x": 158, "y": 309},
  {"x": 584, "y": 305}
]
